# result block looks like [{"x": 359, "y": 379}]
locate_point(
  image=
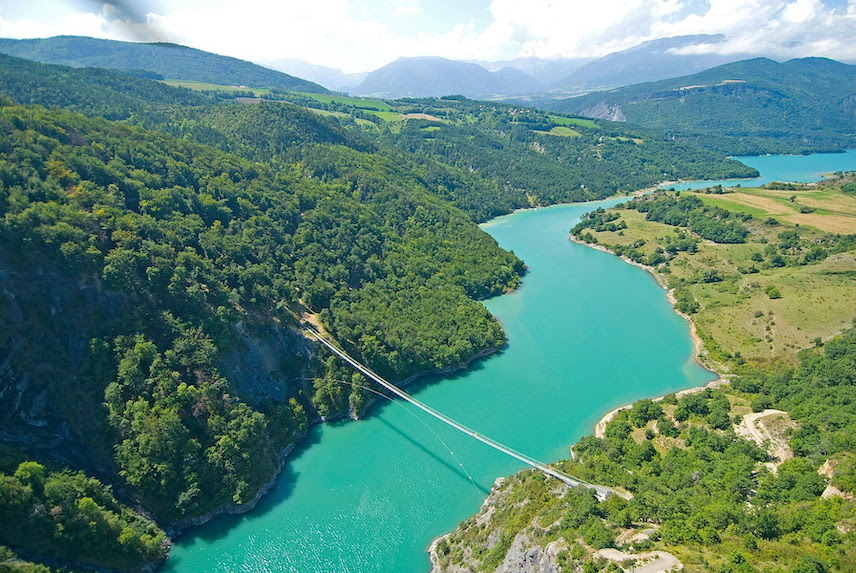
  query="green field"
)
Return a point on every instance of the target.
[
  {"x": 324, "y": 112},
  {"x": 736, "y": 313},
  {"x": 818, "y": 206},
  {"x": 359, "y": 103},
  {"x": 386, "y": 115},
  {"x": 563, "y": 131},
  {"x": 566, "y": 121},
  {"x": 203, "y": 86}
]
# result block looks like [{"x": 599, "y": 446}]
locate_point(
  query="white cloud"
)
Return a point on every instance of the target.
[
  {"x": 349, "y": 35},
  {"x": 406, "y": 6},
  {"x": 777, "y": 28}
]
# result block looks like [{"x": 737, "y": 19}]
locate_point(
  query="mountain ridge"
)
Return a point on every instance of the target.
[
  {"x": 173, "y": 61},
  {"x": 431, "y": 76},
  {"x": 649, "y": 61},
  {"x": 746, "y": 107}
]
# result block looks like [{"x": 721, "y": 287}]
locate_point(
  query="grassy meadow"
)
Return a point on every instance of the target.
[{"x": 750, "y": 305}]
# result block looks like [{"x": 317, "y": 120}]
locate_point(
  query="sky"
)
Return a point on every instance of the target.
[{"x": 362, "y": 35}]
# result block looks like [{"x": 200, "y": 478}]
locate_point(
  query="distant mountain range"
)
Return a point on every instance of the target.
[
  {"x": 330, "y": 78},
  {"x": 545, "y": 71},
  {"x": 168, "y": 60},
  {"x": 405, "y": 77},
  {"x": 433, "y": 77},
  {"x": 649, "y": 61},
  {"x": 752, "y": 106}
]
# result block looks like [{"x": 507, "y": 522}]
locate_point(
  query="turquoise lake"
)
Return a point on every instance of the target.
[
  {"x": 586, "y": 331},
  {"x": 794, "y": 168}
]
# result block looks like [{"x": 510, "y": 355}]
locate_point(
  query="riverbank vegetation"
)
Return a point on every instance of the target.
[
  {"x": 773, "y": 277},
  {"x": 718, "y": 478},
  {"x": 66, "y": 515}
]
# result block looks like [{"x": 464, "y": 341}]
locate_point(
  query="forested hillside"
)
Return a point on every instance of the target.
[
  {"x": 156, "y": 248},
  {"x": 169, "y": 61},
  {"x": 153, "y": 269},
  {"x": 743, "y": 108},
  {"x": 486, "y": 158}
]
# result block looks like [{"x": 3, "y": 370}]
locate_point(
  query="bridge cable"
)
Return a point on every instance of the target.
[
  {"x": 569, "y": 480},
  {"x": 430, "y": 429}
]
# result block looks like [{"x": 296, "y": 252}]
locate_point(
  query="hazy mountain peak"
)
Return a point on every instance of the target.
[
  {"x": 434, "y": 76},
  {"x": 649, "y": 61}
]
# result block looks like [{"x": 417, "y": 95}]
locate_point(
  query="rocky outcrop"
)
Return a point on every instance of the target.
[
  {"x": 525, "y": 556},
  {"x": 606, "y": 111},
  {"x": 266, "y": 359}
]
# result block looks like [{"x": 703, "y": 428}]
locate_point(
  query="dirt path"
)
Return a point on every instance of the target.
[
  {"x": 767, "y": 429},
  {"x": 653, "y": 562}
]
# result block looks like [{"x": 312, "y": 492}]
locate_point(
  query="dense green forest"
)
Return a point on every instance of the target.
[
  {"x": 701, "y": 491},
  {"x": 70, "y": 516},
  {"x": 167, "y": 60},
  {"x": 146, "y": 254},
  {"x": 485, "y": 158},
  {"x": 199, "y": 238},
  {"x": 529, "y": 165},
  {"x": 191, "y": 240},
  {"x": 743, "y": 108}
]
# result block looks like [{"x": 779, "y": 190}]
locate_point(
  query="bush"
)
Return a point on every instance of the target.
[
  {"x": 761, "y": 403},
  {"x": 773, "y": 292},
  {"x": 643, "y": 411}
]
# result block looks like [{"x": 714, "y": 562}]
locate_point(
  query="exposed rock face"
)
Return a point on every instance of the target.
[
  {"x": 46, "y": 322},
  {"x": 266, "y": 360},
  {"x": 605, "y": 111},
  {"x": 525, "y": 556}
]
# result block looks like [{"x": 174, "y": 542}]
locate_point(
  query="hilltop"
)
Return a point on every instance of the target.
[
  {"x": 432, "y": 76},
  {"x": 169, "y": 61}
]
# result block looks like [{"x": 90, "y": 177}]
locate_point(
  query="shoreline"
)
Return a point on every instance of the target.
[
  {"x": 698, "y": 343},
  {"x": 627, "y": 194},
  {"x": 179, "y": 528}
]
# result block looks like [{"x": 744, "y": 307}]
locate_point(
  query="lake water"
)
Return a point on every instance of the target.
[
  {"x": 587, "y": 332},
  {"x": 794, "y": 168}
]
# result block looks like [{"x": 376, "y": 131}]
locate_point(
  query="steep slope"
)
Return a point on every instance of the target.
[
  {"x": 135, "y": 263},
  {"x": 169, "y": 60},
  {"x": 649, "y": 61},
  {"x": 752, "y": 106},
  {"x": 434, "y": 77}
]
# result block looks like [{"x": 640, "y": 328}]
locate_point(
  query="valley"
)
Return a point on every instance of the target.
[{"x": 169, "y": 217}]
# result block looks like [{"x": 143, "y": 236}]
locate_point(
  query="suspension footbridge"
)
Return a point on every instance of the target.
[{"x": 601, "y": 491}]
